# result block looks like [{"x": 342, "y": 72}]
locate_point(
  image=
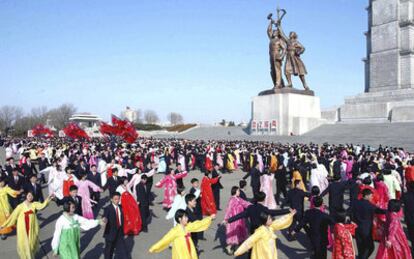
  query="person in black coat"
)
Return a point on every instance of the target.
[
  {"x": 217, "y": 186},
  {"x": 316, "y": 223},
  {"x": 28, "y": 169},
  {"x": 242, "y": 184},
  {"x": 253, "y": 211},
  {"x": 295, "y": 199},
  {"x": 35, "y": 188},
  {"x": 95, "y": 177},
  {"x": 43, "y": 163},
  {"x": 281, "y": 181},
  {"x": 363, "y": 213},
  {"x": 336, "y": 190},
  {"x": 254, "y": 175},
  {"x": 10, "y": 165},
  {"x": 143, "y": 198},
  {"x": 195, "y": 190},
  {"x": 191, "y": 201},
  {"x": 74, "y": 198},
  {"x": 16, "y": 182},
  {"x": 113, "y": 182},
  {"x": 114, "y": 232},
  {"x": 180, "y": 183},
  {"x": 408, "y": 201}
]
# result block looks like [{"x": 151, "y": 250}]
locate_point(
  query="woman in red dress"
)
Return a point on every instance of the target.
[
  {"x": 130, "y": 209},
  {"x": 383, "y": 198},
  {"x": 208, "y": 205},
  {"x": 394, "y": 243},
  {"x": 343, "y": 247}
]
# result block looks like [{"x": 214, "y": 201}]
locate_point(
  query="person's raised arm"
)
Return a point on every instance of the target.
[{"x": 270, "y": 29}]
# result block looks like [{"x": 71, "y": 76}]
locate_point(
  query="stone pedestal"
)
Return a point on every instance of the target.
[{"x": 285, "y": 112}]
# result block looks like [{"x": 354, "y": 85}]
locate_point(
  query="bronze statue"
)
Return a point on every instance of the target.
[
  {"x": 277, "y": 52},
  {"x": 280, "y": 47},
  {"x": 294, "y": 64}
]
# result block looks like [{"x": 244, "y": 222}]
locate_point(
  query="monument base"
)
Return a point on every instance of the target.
[
  {"x": 386, "y": 106},
  {"x": 285, "y": 113}
]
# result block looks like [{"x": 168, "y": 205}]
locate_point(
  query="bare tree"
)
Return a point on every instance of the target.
[
  {"x": 151, "y": 117},
  {"x": 175, "y": 118},
  {"x": 8, "y": 116},
  {"x": 60, "y": 115}
]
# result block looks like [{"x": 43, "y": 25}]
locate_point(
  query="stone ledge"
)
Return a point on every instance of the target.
[{"x": 287, "y": 90}]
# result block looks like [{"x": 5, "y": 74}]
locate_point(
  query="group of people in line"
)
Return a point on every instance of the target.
[{"x": 379, "y": 183}]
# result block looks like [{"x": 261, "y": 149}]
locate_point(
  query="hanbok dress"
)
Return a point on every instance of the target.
[
  {"x": 55, "y": 181},
  {"x": 180, "y": 238},
  {"x": 132, "y": 214},
  {"x": 343, "y": 247},
  {"x": 66, "y": 238},
  {"x": 236, "y": 232},
  {"x": 394, "y": 233},
  {"x": 83, "y": 191},
  {"x": 68, "y": 181},
  {"x": 169, "y": 182},
  {"x": 297, "y": 176},
  {"x": 27, "y": 228},
  {"x": 5, "y": 208},
  {"x": 178, "y": 203},
  {"x": 266, "y": 186},
  {"x": 208, "y": 205},
  {"x": 379, "y": 219},
  {"x": 262, "y": 242}
]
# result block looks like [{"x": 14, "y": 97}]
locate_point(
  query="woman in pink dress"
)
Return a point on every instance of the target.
[
  {"x": 83, "y": 191},
  {"x": 169, "y": 182},
  {"x": 236, "y": 232},
  {"x": 394, "y": 243},
  {"x": 266, "y": 186}
]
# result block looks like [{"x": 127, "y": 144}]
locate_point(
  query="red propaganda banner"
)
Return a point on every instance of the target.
[
  {"x": 266, "y": 124},
  {"x": 72, "y": 130},
  {"x": 40, "y": 130},
  {"x": 254, "y": 124},
  {"x": 274, "y": 123}
]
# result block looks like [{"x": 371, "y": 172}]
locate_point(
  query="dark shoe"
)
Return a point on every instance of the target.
[{"x": 3, "y": 237}]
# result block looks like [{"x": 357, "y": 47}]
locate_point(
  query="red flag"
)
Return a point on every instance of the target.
[
  {"x": 107, "y": 129},
  {"x": 72, "y": 130},
  {"x": 41, "y": 130},
  {"x": 122, "y": 128}
]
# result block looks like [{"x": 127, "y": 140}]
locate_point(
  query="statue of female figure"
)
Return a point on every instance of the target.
[{"x": 294, "y": 64}]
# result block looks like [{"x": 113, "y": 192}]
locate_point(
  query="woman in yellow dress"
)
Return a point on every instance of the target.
[
  {"x": 263, "y": 239},
  {"x": 180, "y": 236},
  {"x": 297, "y": 176},
  {"x": 5, "y": 208},
  {"x": 27, "y": 227}
]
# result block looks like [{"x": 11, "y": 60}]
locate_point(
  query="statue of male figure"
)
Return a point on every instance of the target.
[{"x": 277, "y": 52}]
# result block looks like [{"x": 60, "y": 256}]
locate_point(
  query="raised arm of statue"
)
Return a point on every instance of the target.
[
  {"x": 282, "y": 34},
  {"x": 270, "y": 30}
]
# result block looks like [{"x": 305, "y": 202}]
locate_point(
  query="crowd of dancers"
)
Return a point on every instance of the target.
[{"x": 380, "y": 184}]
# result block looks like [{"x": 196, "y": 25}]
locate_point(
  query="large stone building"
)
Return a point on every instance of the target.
[{"x": 389, "y": 67}]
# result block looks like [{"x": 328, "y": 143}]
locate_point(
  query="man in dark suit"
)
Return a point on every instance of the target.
[
  {"x": 295, "y": 199},
  {"x": 28, "y": 168},
  {"x": 73, "y": 197},
  {"x": 408, "y": 200},
  {"x": 281, "y": 181},
  {"x": 191, "y": 201},
  {"x": 178, "y": 170},
  {"x": 113, "y": 182},
  {"x": 316, "y": 225},
  {"x": 253, "y": 211},
  {"x": 217, "y": 186},
  {"x": 43, "y": 163},
  {"x": 16, "y": 182},
  {"x": 35, "y": 188},
  {"x": 10, "y": 165},
  {"x": 363, "y": 213},
  {"x": 242, "y": 184},
  {"x": 336, "y": 190},
  {"x": 114, "y": 234},
  {"x": 254, "y": 175},
  {"x": 95, "y": 177},
  {"x": 143, "y": 198}
]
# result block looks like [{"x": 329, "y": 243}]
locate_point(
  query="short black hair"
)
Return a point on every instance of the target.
[
  {"x": 189, "y": 197},
  {"x": 180, "y": 189},
  {"x": 234, "y": 190},
  {"x": 366, "y": 192},
  {"x": 394, "y": 205},
  {"x": 367, "y": 180},
  {"x": 194, "y": 180},
  {"x": 115, "y": 194},
  {"x": 315, "y": 191},
  {"x": 66, "y": 206},
  {"x": 179, "y": 214},
  {"x": 264, "y": 216},
  {"x": 317, "y": 201},
  {"x": 260, "y": 196},
  {"x": 242, "y": 184},
  {"x": 144, "y": 177},
  {"x": 73, "y": 188}
]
